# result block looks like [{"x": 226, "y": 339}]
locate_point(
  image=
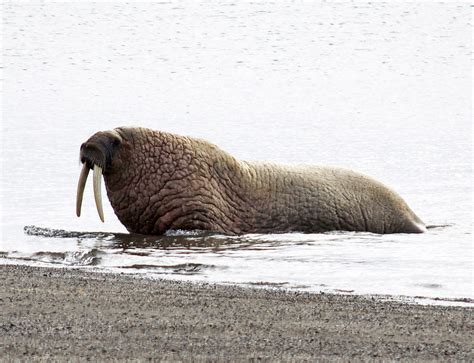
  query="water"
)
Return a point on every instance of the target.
[{"x": 381, "y": 88}]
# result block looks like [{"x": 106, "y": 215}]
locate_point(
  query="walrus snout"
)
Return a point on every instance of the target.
[
  {"x": 93, "y": 154},
  {"x": 100, "y": 148},
  {"x": 96, "y": 153}
]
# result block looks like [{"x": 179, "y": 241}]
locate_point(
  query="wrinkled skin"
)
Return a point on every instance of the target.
[{"x": 157, "y": 181}]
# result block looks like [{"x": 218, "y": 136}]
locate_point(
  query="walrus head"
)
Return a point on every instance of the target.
[{"x": 97, "y": 153}]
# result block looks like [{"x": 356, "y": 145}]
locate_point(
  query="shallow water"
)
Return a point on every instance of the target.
[{"x": 383, "y": 88}]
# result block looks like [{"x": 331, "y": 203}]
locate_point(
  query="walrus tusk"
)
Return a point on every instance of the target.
[
  {"x": 80, "y": 188},
  {"x": 97, "y": 191}
]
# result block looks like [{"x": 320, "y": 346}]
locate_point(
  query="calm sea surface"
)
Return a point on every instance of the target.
[{"x": 381, "y": 88}]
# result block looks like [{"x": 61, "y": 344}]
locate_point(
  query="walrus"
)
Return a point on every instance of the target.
[{"x": 157, "y": 181}]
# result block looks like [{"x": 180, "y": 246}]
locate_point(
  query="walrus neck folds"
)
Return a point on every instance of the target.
[{"x": 186, "y": 183}]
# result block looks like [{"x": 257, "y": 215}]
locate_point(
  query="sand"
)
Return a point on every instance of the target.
[{"x": 67, "y": 314}]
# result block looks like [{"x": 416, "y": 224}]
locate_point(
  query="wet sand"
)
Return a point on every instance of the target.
[{"x": 59, "y": 314}]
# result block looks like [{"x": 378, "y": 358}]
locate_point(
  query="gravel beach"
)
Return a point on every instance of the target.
[{"x": 67, "y": 314}]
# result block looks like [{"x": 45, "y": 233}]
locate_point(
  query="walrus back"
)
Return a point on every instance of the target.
[{"x": 318, "y": 199}]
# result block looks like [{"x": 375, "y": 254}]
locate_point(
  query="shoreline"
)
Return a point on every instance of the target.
[
  {"x": 466, "y": 302},
  {"x": 64, "y": 313}
]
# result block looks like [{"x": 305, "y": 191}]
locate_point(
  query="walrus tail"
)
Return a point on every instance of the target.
[{"x": 415, "y": 227}]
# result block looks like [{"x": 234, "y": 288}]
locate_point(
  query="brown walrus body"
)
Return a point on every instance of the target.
[{"x": 157, "y": 181}]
